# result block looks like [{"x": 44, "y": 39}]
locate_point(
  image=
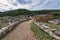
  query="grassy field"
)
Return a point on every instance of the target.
[
  {"x": 53, "y": 26},
  {"x": 39, "y": 33}
]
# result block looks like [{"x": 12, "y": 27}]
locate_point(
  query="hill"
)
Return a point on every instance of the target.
[
  {"x": 56, "y": 13},
  {"x": 15, "y": 12}
]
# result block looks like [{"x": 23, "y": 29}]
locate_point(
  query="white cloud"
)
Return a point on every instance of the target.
[
  {"x": 34, "y": 5},
  {"x": 8, "y": 4}
]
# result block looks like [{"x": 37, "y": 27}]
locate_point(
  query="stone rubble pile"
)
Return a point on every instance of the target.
[
  {"x": 12, "y": 22},
  {"x": 47, "y": 29}
]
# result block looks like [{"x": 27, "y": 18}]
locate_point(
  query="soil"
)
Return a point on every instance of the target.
[{"x": 21, "y": 32}]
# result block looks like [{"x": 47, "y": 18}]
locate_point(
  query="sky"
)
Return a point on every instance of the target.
[{"x": 6, "y": 5}]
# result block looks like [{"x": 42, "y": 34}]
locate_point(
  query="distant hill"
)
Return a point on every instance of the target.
[
  {"x": 15, "y": 12},
  {"x": 56, "y": 13},
  {"x": 28, "y": 12}
]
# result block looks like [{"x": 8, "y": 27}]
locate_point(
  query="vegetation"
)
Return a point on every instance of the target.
[
  {"x": 53, "y": 26},
  {"x": 2, "y": 25},
  {"x": 39, "y": 33},
  {"x": 16, "y": 12},
  {"x": 56, "y": 13}
]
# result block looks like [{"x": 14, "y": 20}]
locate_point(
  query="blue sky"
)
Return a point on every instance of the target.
[
  {"x": 24, "y": 1},
  {"x": 6, "y": 5}
]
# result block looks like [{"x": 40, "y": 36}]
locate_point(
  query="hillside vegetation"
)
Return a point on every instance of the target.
[
  {"x": 56, "y": 13},
  {"x": 15, "y": 12}
]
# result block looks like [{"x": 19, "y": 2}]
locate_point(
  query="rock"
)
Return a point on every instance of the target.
[{"x": 57, "y": 33}]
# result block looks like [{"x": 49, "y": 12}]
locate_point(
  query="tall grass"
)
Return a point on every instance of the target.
[{"x": 39, "y": 33}]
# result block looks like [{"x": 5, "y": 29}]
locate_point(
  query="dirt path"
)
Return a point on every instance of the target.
[{"x": 22, "y": 32}]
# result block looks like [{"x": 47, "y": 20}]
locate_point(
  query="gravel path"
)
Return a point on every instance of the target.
[{"x": 22, "y": 32}]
